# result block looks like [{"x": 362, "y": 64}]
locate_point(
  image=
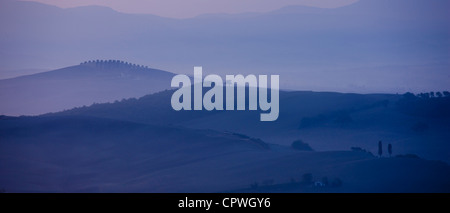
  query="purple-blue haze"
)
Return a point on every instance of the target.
[
  {"x": 371, "y": 46},
  {"x": 95, "y": 83}
]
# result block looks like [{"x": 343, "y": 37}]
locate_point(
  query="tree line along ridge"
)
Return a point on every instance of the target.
[{"x": 113, "y": 63}]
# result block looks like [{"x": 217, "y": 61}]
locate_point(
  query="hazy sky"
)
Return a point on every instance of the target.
[{"x": 190, "y": 8}]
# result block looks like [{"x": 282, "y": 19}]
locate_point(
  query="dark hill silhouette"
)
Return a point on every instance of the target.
[
  {"x": 90, "y": 82},
  {"x": 328, "y": 121},
  {"x": 85, "y": 154}
]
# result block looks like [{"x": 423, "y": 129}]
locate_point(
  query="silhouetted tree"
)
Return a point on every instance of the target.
[
  {"x": 390, "y": 149},
  {"x": 380, "y": 148},
  {"x": 432, "y": 94},
  {"x": 421, "y": 95},
  {"x": 439, "y": 94},
  {"x": 409, "y": 95},
  {"x": 426, "y": 96},
  {"x": 446, "y": 93}
]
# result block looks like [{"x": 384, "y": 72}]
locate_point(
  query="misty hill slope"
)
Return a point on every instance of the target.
[
  {"x": 156, "y": 108},
  {"x": 85, "y": 84},
  {"x": 327, "y": 121},
  {"x": 84, "y": 154},
  {"x": 370, "y": 46},
  {"x": 417, "y": 10},
  {"x": 92, "y": 149}
]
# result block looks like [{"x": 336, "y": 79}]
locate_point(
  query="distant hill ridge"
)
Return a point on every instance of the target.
[{"x": 94, "y": 81}]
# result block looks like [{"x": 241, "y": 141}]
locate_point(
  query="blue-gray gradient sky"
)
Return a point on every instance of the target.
[
  {"x": 369, "y": 46},
  {"x": 191, "y": 8}
]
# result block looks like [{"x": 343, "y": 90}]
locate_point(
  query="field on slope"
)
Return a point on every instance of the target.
[
  {"x": 85, "y": 154},
  {"x": 326, "y": 121}
]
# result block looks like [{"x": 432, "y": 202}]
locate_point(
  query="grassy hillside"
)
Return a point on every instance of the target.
[
  {"x": 326, "y": 121},
  {"x": 82, "y": 154}
]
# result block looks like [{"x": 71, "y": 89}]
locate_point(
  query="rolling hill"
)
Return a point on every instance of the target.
[
  {"x": 85, "y": 154},
  {"x": 108, "y": 126},
  {"x": 84, "y": 84},
  {"x": 327, "y": 121}
]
